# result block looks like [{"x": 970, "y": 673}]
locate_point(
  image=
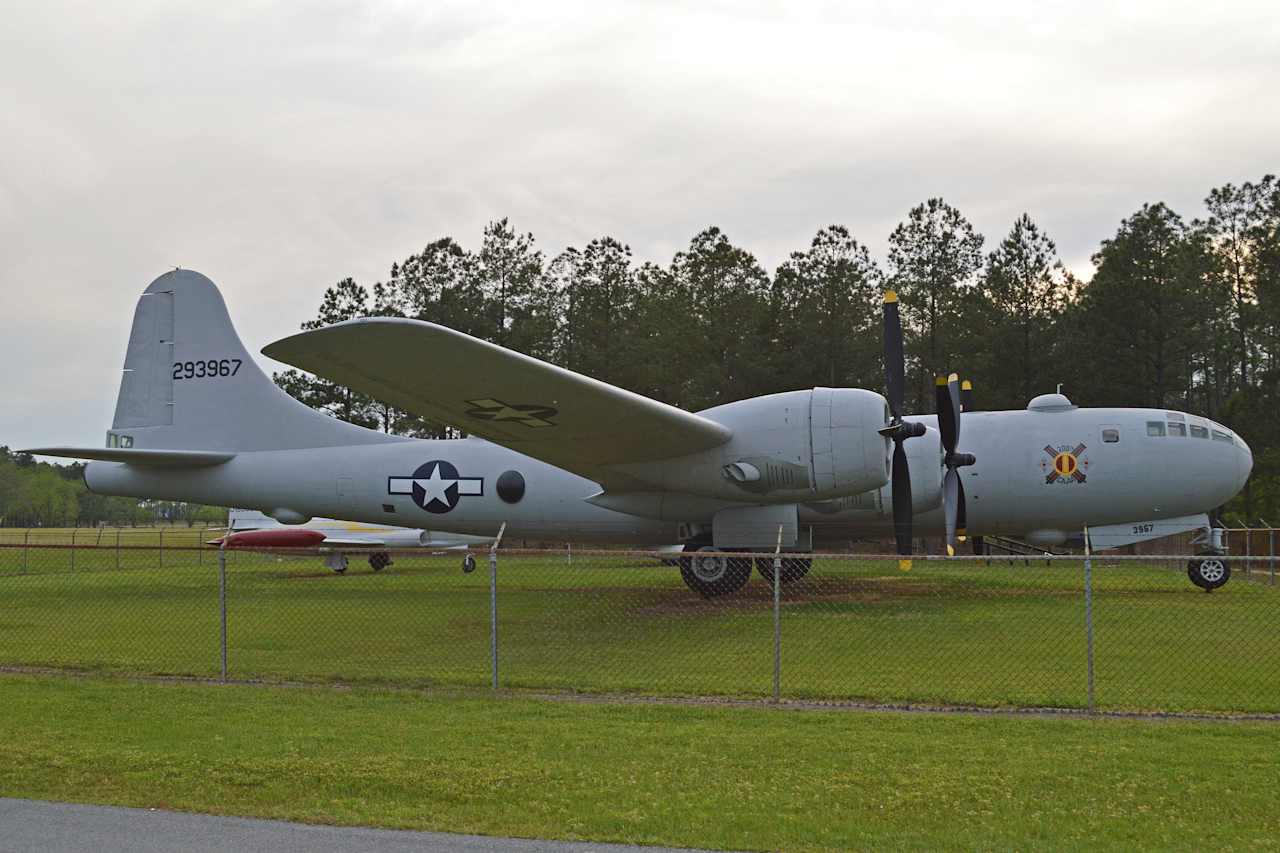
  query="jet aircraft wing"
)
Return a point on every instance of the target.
[{"x": 544, "y": 411}]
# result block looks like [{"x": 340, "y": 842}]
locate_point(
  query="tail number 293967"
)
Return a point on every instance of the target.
[{"x": 209, "y": 368}]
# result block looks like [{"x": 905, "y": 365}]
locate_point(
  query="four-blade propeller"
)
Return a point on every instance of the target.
[
  {"x": 948, "y": 395},
  {"x": 950, "y": 398},
  {"x": 898, "y": 429}
]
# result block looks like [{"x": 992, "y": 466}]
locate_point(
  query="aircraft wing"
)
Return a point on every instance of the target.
[
  {"x": 335, "y": 542},
  {"x": 547, "y": 412}
]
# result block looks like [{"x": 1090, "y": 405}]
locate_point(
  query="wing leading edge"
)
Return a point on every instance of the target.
[{"x": 544, "y": 411}]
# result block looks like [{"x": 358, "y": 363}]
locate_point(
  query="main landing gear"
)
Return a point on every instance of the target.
[
  {"x": 379, "y": 560},
  {"x": 711, "y": 572}
]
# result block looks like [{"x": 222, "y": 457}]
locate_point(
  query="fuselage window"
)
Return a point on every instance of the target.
[
  {"x": 127, "y": 441},
  {"x": 1111, "y": 436},
  {"x": 113, "y": 440},
  {"x": 1177, "y": 429},
  {"x": 1155, "y": 428},
  {"x": 1222, "y": 436},
  {"x": 1198, "y": 431}
]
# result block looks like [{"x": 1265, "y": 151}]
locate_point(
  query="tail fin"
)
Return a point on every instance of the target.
[{"x": 190, "y": 384}]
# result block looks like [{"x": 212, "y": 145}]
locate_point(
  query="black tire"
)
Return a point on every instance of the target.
[
  {"x": 1209, "y": 572},
  {"x": 792, "y": 569},
  {"x": 712, "y": 573},
  {"x": 379, "y": 560},
  {"x": 468, "y": 564}
]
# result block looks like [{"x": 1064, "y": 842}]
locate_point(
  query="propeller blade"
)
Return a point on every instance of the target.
[
  {"x": 901, "y": 499},
  {"x": 950, "y": 487},
  {"x": 947, "y": 390},
  {"x": 978, "y": 546},
  {"x": 894, "y": 364},
  {"x": 966, "y": 396},
  {"x": 962, "y": 520}
]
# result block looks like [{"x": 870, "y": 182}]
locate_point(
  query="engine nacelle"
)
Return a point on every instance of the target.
[
  {"x": 924, "y": 460},
  {"x": 791, "y": 447}
]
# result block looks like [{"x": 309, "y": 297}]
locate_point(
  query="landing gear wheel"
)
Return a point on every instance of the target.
[
  {"x": 1209, "y": 572},
  {"x": 793, "y": 568},
  {"x": 379, "y": 560},
  {"x": 337, "y": 562},
  {"x": 468, "y": 564},
  {"x": 710, "y": 573}
]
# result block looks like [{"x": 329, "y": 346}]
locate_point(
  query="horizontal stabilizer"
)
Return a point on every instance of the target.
[{"x": 129, "y": 456}]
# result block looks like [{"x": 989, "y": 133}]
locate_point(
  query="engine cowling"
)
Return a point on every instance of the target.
[
  {"x": 924, "y": 456},
  {"x": 788, "y": 447}
]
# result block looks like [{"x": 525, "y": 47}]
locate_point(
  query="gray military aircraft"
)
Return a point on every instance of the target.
[{"x": 558, "y": 455}]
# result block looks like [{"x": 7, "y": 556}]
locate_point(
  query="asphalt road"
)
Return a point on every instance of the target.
[{"x": 32, "y": 825}]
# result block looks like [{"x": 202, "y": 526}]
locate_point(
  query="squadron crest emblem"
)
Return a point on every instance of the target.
[{"x": 1064, "y": 464}]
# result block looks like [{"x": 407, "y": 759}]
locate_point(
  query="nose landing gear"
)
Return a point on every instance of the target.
[{"x": 1209, "y": 571}]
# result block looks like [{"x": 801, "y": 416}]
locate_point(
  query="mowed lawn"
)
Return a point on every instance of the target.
[
  {"x": 946, "y": 633},
  {"x": 718, "y": 777}
]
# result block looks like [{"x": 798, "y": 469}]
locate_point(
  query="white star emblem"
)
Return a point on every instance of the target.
[
  {"x": 434, "y": 486},
  {"x": 432, "y": 492}
]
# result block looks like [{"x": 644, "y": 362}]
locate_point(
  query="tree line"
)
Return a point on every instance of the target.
[
  {"x": 1179, "y": 313},
  {"x": 40, "y": 494}
]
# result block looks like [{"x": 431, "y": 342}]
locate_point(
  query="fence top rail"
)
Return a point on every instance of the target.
[{"x": 579, "y": 553}]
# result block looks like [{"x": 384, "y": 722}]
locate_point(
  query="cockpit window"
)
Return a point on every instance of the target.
[
  {"x": 1177, "y": 429},
  {"x": 1175, "y": 416},
  {"x": 1218, "y": 435},
  {"x": 1155, "y": 428},
  {"x": 1111, "y": 436},
  {"x": 1198, "y": 431}
]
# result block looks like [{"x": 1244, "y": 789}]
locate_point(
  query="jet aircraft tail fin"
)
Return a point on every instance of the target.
[{"x": 189, "y": 383}]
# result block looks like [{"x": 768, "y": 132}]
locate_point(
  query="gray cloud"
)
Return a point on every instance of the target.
[{"x": 279, "y": 147}]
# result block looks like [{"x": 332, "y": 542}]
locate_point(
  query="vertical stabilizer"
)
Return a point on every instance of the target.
[{"x": 190, "y": 384}]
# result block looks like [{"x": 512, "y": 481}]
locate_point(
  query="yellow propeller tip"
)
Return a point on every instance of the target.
[
  {"x": 940, "y": 381},
  {"x": 955, "y": 377},
  {"x": 904, "y": 565},
  {"x": 951, "y": 552},
  {"x": 966, "y": 385},
  {"x": 890, "y": 296}
]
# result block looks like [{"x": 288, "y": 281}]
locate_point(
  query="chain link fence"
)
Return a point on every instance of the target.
[{"x": 1117, "y": 632}]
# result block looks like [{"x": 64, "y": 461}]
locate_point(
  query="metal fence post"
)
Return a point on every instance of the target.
[
  {"x": 26, "y": 538},
  {"x": 493, "y": 604},
  {"x": 73, "y": 549},
  {"x": 1088, "y": 609},
  {"x": 162, "y": 547},
  {"x": 222, "y": 604},
  {"x": 117, "y": 549},
  {"x": 777, "y": 618},
  {"x": 1248, "y": 538}
]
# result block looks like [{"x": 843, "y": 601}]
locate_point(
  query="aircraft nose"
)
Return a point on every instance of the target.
[{"x": 1244, "y": 462}]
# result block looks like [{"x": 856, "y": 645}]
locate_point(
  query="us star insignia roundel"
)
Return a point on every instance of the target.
[
  {"x": 436, "y": 486},
  {"x": 1064, "y": 464},
  {"x": 532, "y": 416}
]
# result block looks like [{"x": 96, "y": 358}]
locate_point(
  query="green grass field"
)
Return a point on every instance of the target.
[
  {"x": 945, "y": 633},
  {"x": 741, "y": 777}
]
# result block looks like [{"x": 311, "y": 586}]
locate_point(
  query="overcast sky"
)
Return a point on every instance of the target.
[{"x": 279, "y": 147}]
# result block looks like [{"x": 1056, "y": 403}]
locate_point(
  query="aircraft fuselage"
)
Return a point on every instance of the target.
[{"x": 1036, "y": 471}]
